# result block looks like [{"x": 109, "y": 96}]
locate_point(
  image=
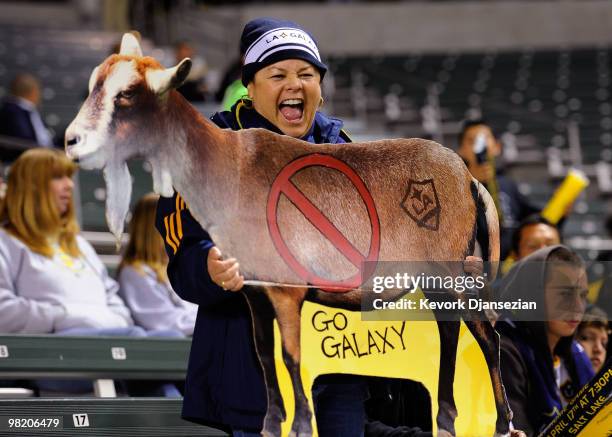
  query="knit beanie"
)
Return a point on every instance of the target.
[{"x": 265, "y": 41}]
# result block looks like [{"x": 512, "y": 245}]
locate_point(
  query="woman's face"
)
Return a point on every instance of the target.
[
  {"x": 565, "y": 298},
  {"x": 594, "y": 340},
  {"x": 61, "y": 192},
  {"x": 287, "y": 94}
]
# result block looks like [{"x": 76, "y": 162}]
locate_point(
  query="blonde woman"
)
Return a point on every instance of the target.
[
  {"x": 51, "y": 279},
  {"x": 143, "y": 280}
]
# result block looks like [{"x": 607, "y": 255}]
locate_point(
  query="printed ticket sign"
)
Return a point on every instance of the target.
[{"x": 590, "y": 412}]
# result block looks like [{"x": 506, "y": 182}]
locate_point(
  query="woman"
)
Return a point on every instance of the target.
[
  {"x": 51, "y": 279},
  {"x": 542, "y": 365},
  {"x": 282, "y": 72},
  {"x": 143, "y": 282}
]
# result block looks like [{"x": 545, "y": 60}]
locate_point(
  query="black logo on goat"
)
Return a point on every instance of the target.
[{"x": 421, "y": 204}]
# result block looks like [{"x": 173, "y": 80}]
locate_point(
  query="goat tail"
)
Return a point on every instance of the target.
[{"x": 487, "y": 225}]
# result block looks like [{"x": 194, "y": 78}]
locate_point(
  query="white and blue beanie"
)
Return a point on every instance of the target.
[{"x": 265, "y": 41}]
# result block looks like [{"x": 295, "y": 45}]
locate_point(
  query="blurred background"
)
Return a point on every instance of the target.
[{"x": 537, "y": 71}]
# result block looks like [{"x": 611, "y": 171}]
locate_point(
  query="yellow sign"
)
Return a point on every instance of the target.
[
  {"x": 600, "y": 424},
  {"x": 338, "y": 341}
]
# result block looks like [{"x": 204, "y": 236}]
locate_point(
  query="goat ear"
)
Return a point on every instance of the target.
[
  {"x": 130, "y": 46},
  {"x": 93, "y": 78},
  {"x": 161, "y": 81}
]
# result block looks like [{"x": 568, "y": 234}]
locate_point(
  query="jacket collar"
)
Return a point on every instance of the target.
[{"x": 324, "y": 129}]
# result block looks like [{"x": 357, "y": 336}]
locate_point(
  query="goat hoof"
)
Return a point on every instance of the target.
[
  {"x": 269, "y": 433},
  {"x": 293, "y": 433},
  {"x": 272, "y": 426},
  {"x": 301, "y": 426},
  {"x": 503, "y": 432}
]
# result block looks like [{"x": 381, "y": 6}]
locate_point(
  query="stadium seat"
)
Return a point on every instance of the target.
[{"x": 97, "y": 358}]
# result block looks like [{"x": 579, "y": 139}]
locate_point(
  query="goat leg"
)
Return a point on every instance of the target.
[
  {"x": 288, "y": 305},
  {"x": 488, "y": 340},
  {"x": 262, "y": 314},
  {"x": 447, "y": 411}
]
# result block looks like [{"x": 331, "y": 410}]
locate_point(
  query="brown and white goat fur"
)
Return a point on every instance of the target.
[{"x": 225, "y": 177}]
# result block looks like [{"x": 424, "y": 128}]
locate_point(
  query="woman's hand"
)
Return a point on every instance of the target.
[
  {"x": 473, "y": 265},
  {"x": 224, "y": 273}
]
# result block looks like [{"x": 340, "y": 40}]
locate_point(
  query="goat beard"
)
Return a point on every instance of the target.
[{"x": 118, "y": 194}]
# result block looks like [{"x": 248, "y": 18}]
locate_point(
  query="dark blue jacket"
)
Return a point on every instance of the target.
[
  {"x": 224, "y": 384},
  {"x": 527, "y": 373},
  {"x": 15, "y": 122},
  {"x": 526, "y": 361}
]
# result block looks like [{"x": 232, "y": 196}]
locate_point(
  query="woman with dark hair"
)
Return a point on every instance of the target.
[
  {"x": 542, "y": 365},
  {"x": 282, "y": 72}
]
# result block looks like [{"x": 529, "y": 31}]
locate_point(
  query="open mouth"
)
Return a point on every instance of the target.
[{"x": 292, "y": 109}]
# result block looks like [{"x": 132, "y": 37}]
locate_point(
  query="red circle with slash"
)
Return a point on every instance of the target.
[{"x": 283, "y": 185}]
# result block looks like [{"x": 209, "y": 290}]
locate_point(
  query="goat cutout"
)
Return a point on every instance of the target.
[{"x": 225, "y": 177}]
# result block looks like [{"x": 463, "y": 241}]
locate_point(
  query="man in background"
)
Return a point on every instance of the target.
[
  {"x": 19, "y": 116},
  {"x": 479, "y": 148},
  {"x": 533, "y": 233}
]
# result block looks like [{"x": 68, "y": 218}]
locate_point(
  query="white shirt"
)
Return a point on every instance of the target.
[{"x": 40, "y": 295}]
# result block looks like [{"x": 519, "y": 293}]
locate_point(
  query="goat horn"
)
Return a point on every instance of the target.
[{"x": 130, "y": 45}]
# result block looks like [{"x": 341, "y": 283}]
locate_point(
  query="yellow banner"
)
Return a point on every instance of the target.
[{"x": 338, "y": 341}]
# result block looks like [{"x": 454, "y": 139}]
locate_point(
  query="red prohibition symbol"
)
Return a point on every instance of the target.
[{"x": 283, "y": 185}]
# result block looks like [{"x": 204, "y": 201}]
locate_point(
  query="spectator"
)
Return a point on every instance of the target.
[
  {"x": 593, "y": 334},
  {"x": 19, "y": 116},
  {"x": 51, "y": 280},
  {"x": 143, "y": 280},
  {"x": 533, "y": 233},
  {"x": 542, "y": 366},
  {"x": 194, "y": 88},
  {"x": 225, "y": 382},
  {"x": 478, "y": 147}
]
